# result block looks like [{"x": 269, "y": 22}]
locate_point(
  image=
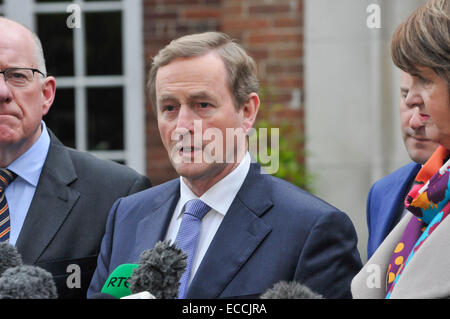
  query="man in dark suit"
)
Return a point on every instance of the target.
[
  {"x": 257, "y": 230},
  {"x": 59, "y": 198},
  {"x": 385, "y": 202}
]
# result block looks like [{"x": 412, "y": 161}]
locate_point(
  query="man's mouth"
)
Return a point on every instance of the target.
[{"x": 420, "y": 138}]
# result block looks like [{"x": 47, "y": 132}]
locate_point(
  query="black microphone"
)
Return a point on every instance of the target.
[
  {"x": 159, "y": 271},
  {"x": 9, "y": 257},
  {"x": 290, "y": 290},
  {"x": 27, "y": 282}
]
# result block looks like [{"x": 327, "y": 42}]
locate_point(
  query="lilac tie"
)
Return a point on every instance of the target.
[{"x": 187, "y": 237}]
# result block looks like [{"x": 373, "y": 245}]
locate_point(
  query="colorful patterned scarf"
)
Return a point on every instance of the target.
[{"x": 428, "y": 200}]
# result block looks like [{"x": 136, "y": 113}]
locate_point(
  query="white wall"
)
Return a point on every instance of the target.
[{"x": 351, "y": 101}]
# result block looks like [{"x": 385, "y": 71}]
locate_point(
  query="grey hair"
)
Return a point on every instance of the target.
[
  {"x": 39, "y": 54},
  {"x": 241, "y": 68}
]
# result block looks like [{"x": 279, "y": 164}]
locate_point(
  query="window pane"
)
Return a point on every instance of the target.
[
  {"x": 105, "y": 118},
  {"x": 103, "y": 32},
  {"x": 57, "y": 42},
  {"x": 61, "y": 117}
]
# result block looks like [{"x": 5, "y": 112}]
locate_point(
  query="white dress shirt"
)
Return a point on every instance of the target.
[
  {"x": 20, "y": 192},
  {"x": 219, "y": 197}
]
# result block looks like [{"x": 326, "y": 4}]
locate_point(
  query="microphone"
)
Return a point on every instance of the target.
[
  {"x": 27, "y": 282},
  {"x": 290, "y": 290},
  {"x": 140, "y": 295},
  {"x": 101, "y": 295},
  {"x": 117, "y": 283},
  {"x": 159, "y": 271},
  {"x": 9, "y": 257}
]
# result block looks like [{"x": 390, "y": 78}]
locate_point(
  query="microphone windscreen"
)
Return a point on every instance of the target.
[
  {"x": 27, "y": 282},
  {"x": 117, "y": 283},
  {"x": 9, "y": 256},
  {"x": 290, "y": 290},
  {"x": 160, "y": 270},
  {"x": 101, "y": 295}
]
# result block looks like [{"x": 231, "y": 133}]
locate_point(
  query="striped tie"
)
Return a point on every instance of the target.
[{"x": 6, "y": 177}]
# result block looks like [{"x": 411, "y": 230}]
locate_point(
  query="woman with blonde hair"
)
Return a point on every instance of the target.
[{"x": 413, "y": 261}]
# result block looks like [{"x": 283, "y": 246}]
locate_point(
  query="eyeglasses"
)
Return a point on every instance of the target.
[{"x": 20, "y": 77}]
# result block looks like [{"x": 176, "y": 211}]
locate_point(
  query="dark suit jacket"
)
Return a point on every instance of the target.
[
  {"x": 385, "y": 203},
  {"x": 67, "y": 216},
  {"x": 273, "y": 231}
]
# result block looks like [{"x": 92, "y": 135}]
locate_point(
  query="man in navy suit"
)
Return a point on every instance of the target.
[
  {"x": 259, "y": 230},
  {"x": 385, "y": 202}
]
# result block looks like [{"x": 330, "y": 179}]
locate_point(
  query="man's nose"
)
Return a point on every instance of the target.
[
  {"x": 5, "y": 91},
  {"x": 416, "y": 121},
  {"x": 185, "y": 119}
]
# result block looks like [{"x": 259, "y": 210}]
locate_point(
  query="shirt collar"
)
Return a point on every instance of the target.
[
  {"x": 29, "y": 165},
  {"x": 220, "y": 196}
]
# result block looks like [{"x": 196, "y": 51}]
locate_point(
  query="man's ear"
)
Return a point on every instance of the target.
[
  {"x": 48, "y": 93},
  {"x": 250, "y": 111}
]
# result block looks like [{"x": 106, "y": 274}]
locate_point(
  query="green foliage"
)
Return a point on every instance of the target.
[{"x": 290, "y": 150}]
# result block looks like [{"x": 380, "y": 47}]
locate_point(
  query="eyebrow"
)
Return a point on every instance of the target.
[
  {"x": 194, "y": 96},
  {"x": 166, "y": 98}
]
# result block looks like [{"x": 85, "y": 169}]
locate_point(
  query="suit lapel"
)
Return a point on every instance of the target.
[
  {"x": 153, "y": 227},
  {"x": 239, "y": 234},
  {"x": 52, "y": 202}
]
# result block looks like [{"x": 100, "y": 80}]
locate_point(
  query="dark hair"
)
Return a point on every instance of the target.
[{"x": 423, "y": 39}]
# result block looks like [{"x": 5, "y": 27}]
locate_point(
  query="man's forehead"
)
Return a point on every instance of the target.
[{"x": 16, "y": 42}]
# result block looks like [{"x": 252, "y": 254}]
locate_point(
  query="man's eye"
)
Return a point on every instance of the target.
[
  {"x": 424, "y": 80},
  {"x": 17, "y": 75},
  {"x": 169, "y": 108},
  {"x": 204, "y": 105}
]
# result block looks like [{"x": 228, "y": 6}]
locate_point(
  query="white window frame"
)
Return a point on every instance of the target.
[{"x": 132, "y": 79}]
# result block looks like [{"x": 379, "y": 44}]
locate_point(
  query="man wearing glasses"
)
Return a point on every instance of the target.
[{"x": 54, "y": 200}]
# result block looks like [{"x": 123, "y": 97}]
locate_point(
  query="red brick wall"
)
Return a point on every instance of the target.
[{"x": 271, "y": 31}]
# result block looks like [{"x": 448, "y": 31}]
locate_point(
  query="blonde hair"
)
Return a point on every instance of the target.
[
  {"x": 423, "y": 39},
  {"x": 241, "y": 68}
]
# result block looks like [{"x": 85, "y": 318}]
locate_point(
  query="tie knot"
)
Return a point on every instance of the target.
[
  {"x": 6, "y": 177},
  {"x": 196, "y": 208}
]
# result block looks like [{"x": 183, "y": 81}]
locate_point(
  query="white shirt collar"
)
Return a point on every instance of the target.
[
  {"x": 220, "y": 196},
  {"x": 29, "y": 165}
]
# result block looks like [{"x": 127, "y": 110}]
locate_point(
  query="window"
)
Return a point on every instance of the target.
[{"x": 99, "y": 104}]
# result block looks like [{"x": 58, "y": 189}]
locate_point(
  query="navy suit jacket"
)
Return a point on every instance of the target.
[
  {"x": 385, "y": 203},
  {"x": 273, "y": 231}
]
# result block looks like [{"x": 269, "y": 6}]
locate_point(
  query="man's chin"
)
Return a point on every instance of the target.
[
  {"x": 420, "y": 156},
  {"x": 189, "y": 170}
]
